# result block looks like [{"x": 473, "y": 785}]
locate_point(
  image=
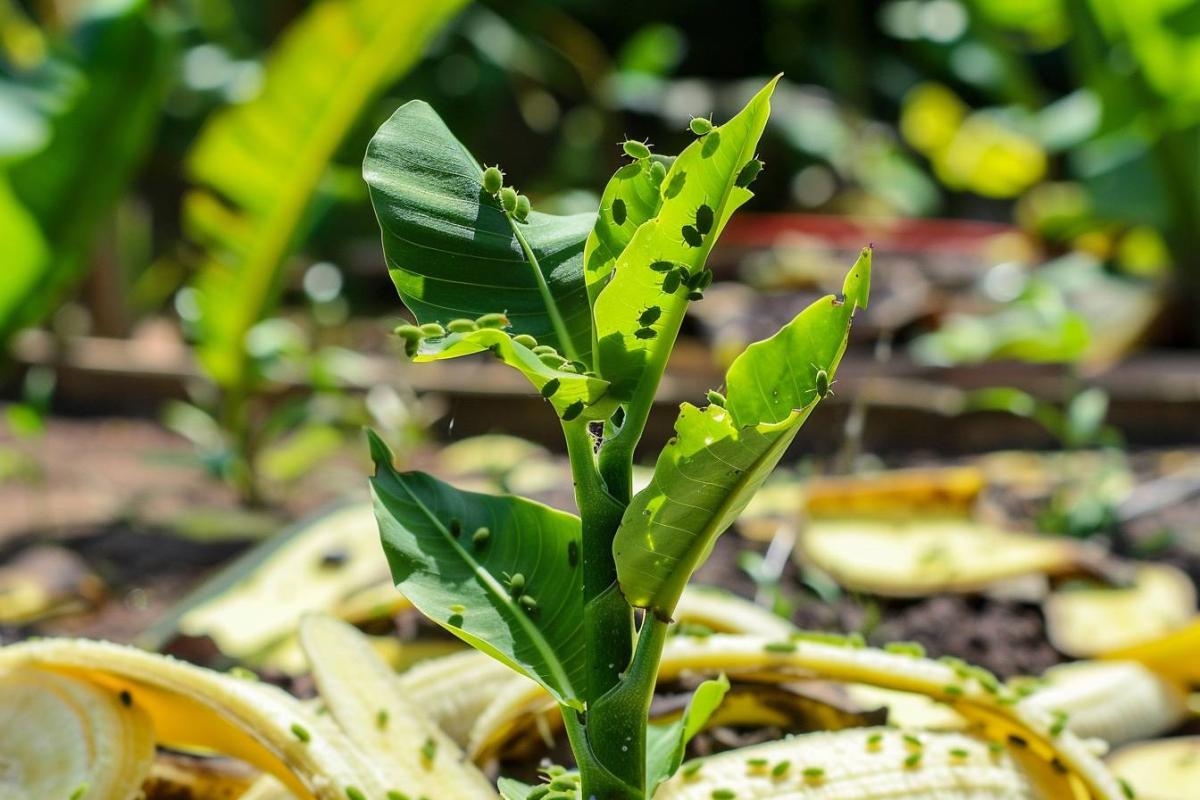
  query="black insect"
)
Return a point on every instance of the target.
[
  {"x": 645, "y": 333},
  {"x": 572, "y": 552},
  {"x": 650, "y": 315},
  {"x": 656, "y": 266},
  {"x": 619, "y": 212},
  {"x": 704, "y": 218},
  {"x": 692, "y": 236},
  {"x": 749, "y": 172},
  {"x": 671, "y": 282},
  {"x": 572, "y": 411}
]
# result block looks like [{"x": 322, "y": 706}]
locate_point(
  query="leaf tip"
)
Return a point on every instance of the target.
[
  {"x": 857, "y": 287},
  {"x": 381, "y": 454}
]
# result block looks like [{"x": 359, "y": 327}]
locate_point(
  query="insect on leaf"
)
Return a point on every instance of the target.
[
  {"x": 452, "y": 251},
  {"x": 704, "y": 174},
  {"x": 720, "y": 456},
  {"x": 567, "y": 388},
  {"x": 635, "y": 186},
  {"x": 470, "y": 587}
]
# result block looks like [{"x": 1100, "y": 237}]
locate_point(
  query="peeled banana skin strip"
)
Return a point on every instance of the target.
[
  {"x": 363, "y": 694},
  {"x": 858, "y": 763},
  {"x": 65, "y": 737},
  {"x": 1035, "y": 732},
  {"x": 195, "y": 708},
  {"x": 1114, "y": 701}
]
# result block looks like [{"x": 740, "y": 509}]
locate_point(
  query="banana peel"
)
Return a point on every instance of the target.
[
  {"x": 1166, "y": 769},
  {"x": 1087, "y": 622},
  {"x": 63, "y": 737}
]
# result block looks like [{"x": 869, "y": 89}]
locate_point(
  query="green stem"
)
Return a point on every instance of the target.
[
  {"x": 607, "y": 618},
  {"x": 560, "y": 327}
]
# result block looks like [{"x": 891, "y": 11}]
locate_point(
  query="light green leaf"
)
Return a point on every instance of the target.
[
  {"x": 268, "y": 157},
  {"x": 463, "y": 585},
  {"x": 454, "y": 253},
  {"x": 634, "y": 186},
  {"x": 99, "y": 108},
  {"x": 720, "y": 456},
  {"x": 573, "y": 388},
  {"x": 665, "y": 744},
  {"x": 511, "y": 789},
  {"x": 705, "y": 173}
]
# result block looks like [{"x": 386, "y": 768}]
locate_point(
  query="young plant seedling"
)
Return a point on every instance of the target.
[{"x": 598, "y": 296}]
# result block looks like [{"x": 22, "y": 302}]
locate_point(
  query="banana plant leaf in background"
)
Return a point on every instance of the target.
[
  {"x": 74, "y": 128},
  {"x": 259, "y": 164}
]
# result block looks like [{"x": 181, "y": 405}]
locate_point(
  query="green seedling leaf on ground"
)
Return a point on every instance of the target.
[
  {"x": 468, "y": 582},
  {"x": 453, "y": 252},
  {"x": 705, "y": 175},
  {"x": 665, "y": 744},
  {"x": 705, "y": 477}
]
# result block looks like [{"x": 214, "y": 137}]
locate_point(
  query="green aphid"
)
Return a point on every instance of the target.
[
  {"x": 572, "y": 411},
  {"x": 563, "y": 783},
  {"x": 395, "y": 795},
  {"x": 723, "y": 794},
  {"x": 694, "y": 296},
  {"x": 525, "y": 340},
  {"x": 508, "y": 199},
  {"x": 550, "y": 387},
  {"x": 80, "y": 791},
  {"x": 409, "y": 333},
  {"x": 780, "y": 647},
  {"x": 645, "y": 333},
  {"x": 528, "y": 603},
  {"x": 432, "y": 330},
  {"x": 658, "y": 171},
  {"x": 429, "y": 749},
  {"x": 704, "y": 218},
  {"x": 814, "y": 774},
  {"x": 691, "y": 235},
  {"x": 354, "y": 793},
  {"x": 480, "y": 537},
  {"x": 516, "y": 585},
  {"x": 704, "y": 280},
  {"x": 495, "y": 320},
  {"x": 650, "y": 315},
  {"x": 748, "y": 173},
  {"x": 715, "y": 398},
  {"x": 662, "y": 266},
  {"x": 538, "y": 792},
  {"x": 619, "y": 212},
  {"x": 671, "y": 282},
  {"x": 821, "y": 384},
  {"x": 552, "y": 360},
  {"x": 493, "y": 179},
  {"x": 781, "y": 769},
  {"x": 691, "y": 768},
  {"x": 301, "y": 732},
  {"x": 701, "y": 126},
  {"x": 381, "y": 718},
  {"x": 635, "y": 149},
  {"x": 521, "y": 212},
  {"x": 544, "y": 349},
  {"x": 455, "y": 620},
  {"x": 913, "y": 761},
  {"x": 462, "y": 325},
  {"x": 569, "y": 366}
]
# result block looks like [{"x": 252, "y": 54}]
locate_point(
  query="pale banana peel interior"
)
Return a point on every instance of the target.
[
  {"x": 859, "y": 763},
  {"x": 1087, "y": 622},
  {"x": 919, "y": 556},
  {"x": 63, "y": 737}
]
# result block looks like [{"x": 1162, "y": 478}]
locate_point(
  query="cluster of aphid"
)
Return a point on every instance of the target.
[
  {"x": 515, "y": 205},
  {"x": 677, "y": 275},
  {"x": 413, "y": 335},
  {"x": 560, "y": 785},
  {"x": 516, "y": 588}
]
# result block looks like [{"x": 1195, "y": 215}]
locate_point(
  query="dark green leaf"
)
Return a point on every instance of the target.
[
  {"x": 448, "y": 576},
  {"x": 707, "y": 474},
  {"x": 453, "y": 252}
]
